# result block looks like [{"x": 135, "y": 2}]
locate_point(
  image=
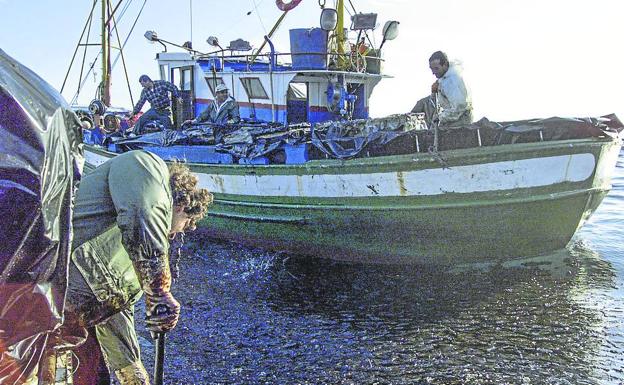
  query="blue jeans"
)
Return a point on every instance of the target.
[{"x": 163, "y": 116}]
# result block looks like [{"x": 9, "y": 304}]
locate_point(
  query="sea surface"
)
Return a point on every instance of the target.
[{"x": 254, "y": 317}]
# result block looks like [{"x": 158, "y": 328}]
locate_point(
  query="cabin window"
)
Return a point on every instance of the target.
[
  {"x": 254, "y": 88},
  {"x": 186, "y": 79},
  {"x": 212, "y": 82},
  {"x": 298, "y": 91},
  {"x": 164, "y": 72}
]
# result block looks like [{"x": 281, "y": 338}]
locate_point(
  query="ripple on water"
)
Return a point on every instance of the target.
[{"x": 256, "y": 317}]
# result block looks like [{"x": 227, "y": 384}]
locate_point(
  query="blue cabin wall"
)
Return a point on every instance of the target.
[
  {"x": 360, "y": 111},
  {"x": 317, "y": 115},
  {"x": 247, "y": 110},
  {"x": 263, "y": 112}
]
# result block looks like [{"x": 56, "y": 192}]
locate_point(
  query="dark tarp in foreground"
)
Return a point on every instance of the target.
[{"x": 40, "y": 166}]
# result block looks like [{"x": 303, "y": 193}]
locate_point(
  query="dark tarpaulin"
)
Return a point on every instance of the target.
[
  {"x": 348, "y": 139},
  {"x": 555, "y": 128},
  {"x": 242, "y": 140},
  {"x": 40, "y": 166},
  {"x": 254, "y": 142},
  {"x": 160, "y": 138},
  {"x": 394, "y": 134}
]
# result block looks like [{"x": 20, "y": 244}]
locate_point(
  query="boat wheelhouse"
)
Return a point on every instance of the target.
[{"x": 270, "y": 92}]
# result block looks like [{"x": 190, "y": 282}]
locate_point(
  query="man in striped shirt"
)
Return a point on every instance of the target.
[{"x": 157, "y": 94}]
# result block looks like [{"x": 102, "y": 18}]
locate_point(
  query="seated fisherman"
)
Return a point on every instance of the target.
[
  {"x": 221, "y": 111},
  {"x": 450, "y": 102}
]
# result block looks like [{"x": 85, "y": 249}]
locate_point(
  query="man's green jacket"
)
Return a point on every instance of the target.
[{"x": 123, "y": 213}]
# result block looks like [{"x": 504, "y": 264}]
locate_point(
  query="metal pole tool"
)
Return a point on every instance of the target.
[
  {"x": 159, "y": 361},
  {"x": 159, "y": 337}
]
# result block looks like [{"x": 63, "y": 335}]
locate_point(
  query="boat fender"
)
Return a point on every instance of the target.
[{"x": 287, "y": 6}]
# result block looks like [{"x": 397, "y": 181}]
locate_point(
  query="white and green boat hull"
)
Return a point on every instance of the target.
[{"x": 470, "y": 205}]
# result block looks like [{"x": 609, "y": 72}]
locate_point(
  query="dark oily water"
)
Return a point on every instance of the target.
[{"x": 251, "y": 317}]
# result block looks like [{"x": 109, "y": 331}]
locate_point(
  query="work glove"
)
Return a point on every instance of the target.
[
  {"x": 162, "y": 309},
  {"x": 163, "y": 312}
]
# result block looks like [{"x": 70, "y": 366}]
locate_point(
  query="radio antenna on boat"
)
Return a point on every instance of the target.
[{"x": 191, "y": 19}]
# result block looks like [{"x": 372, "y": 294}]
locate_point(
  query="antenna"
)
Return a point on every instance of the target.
[{"x": 191, "y": 17}]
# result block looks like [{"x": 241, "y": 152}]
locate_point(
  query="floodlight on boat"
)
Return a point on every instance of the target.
[
  {"x": 329, "y": 19},
  {"x": 151, "y": 36},
  {"x": 213, "y": 41},
  {"x": 239, "y": 45},
  {"x": 362, "y": 21},
  {"x": 391, "y": 30}
]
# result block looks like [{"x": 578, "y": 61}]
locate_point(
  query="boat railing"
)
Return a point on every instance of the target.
[{"x": 357, "y": 62}]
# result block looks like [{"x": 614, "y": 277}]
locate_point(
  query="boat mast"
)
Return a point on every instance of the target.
[
  {"x": 340, "y": 35},
  {"x": 340, "y": 39},
  {"x": 105, "y": 96}
]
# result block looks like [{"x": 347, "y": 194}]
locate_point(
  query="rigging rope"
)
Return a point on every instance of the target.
[
  {"x": 84, "y": 54},
  {"x": 82, "y": 83},
  {"x": 123, "y": 11},
  {"x": 84, "y": 80},
  {"x": 354, "y": 11},
  {"x": 78, "y": 45},
  {"x": 259, "y": 18},
  {"x": 123, "y": 60}
]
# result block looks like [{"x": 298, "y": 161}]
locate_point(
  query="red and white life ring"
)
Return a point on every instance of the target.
[{"x": 287, "y": 6}]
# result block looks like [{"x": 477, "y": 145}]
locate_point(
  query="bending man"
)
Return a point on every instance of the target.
[
  {"x": 126, "y": 211},
  {"x": 450, "y": 102},
  {"x": 157, "y": 94}
]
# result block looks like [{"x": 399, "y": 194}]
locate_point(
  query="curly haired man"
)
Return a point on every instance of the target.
[{"x": 126, "y": 212}]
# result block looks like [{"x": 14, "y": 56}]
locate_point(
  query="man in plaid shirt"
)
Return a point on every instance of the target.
[{"x": 157, "y": 94}]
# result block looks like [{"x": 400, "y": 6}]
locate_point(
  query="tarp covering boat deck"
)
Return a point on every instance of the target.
[{"x": 346, "y": 139}]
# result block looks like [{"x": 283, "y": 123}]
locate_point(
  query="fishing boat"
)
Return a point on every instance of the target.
[{"x": 308, "y": 171}]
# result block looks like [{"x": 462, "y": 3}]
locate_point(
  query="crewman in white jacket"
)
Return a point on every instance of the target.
[{"x": 450, "y": 103}]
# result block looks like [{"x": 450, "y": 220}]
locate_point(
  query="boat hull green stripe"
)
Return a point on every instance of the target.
[
  {"x": 440, "y": 235},
  {"x": 441, "y": 205}
]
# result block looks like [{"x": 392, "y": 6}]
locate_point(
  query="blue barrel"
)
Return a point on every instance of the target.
[{"x": 308, "y": 47}]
